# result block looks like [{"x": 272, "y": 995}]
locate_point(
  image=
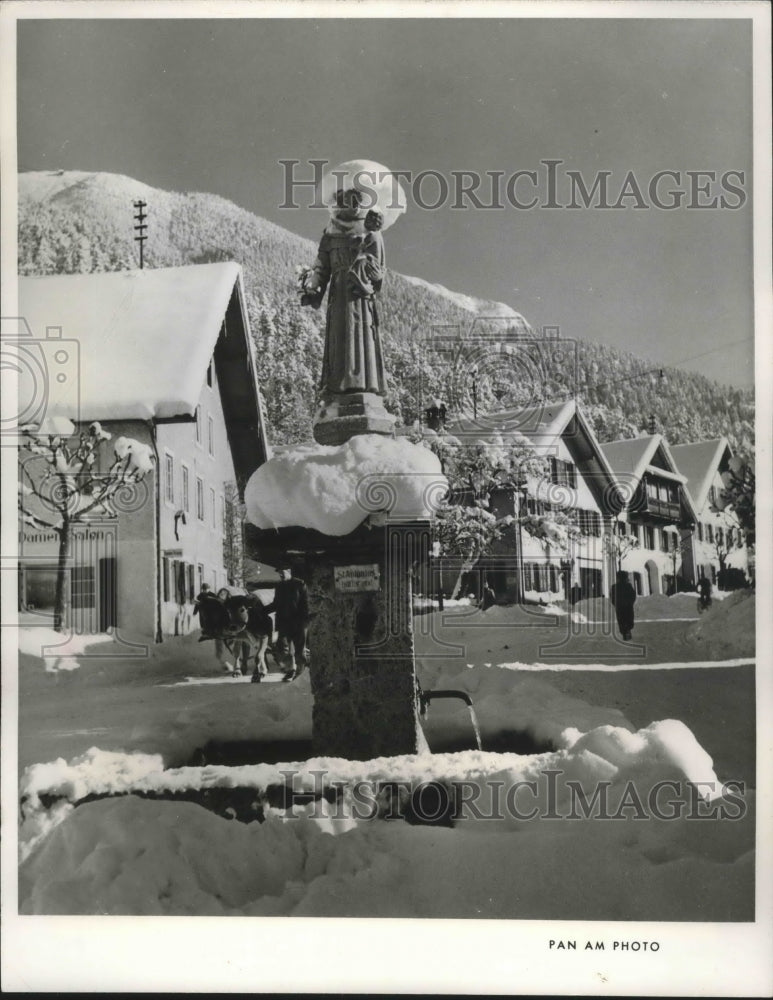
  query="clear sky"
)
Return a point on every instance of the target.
[{"x": 214, "y": 106}]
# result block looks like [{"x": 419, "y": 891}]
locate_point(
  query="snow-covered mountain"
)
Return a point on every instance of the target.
[
  {"x": 114, "y": 194},
  {"x": 482, "y": 307},
  {"x": 79, "y": 221}
]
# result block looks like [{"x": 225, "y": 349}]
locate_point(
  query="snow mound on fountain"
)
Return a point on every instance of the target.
[{"x": 333, "y": 488}]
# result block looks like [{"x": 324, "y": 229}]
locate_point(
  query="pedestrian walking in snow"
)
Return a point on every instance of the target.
[
  {"x": 204, "y": 593},
  {"x": 291, "y": 608},
  {"x": 623, "y": 597},
  {"x": 704, "y": 590}
]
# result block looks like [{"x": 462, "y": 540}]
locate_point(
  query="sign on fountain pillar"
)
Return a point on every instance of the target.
[{"x": 363, "y": 675}]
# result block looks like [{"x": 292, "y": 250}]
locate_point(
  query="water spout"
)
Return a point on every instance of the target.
[{"x": 425, "y": 697}]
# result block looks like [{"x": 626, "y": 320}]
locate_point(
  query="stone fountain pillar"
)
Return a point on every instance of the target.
[{"x": 363, "y": 674}]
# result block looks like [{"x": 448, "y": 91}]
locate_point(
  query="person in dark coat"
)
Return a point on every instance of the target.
[
  {"x": 623, "y": 597},
  {"x": 704, "y": 589},
  {"x": 291, "y": 608}
]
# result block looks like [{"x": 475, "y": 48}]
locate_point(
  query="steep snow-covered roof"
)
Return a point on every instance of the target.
[
  {"x": 631, "y": 456},
  {"x": 138, "y": 345},
  {"x": 635, "y": 456},
  {"x": 541, "y": 422},
  {"x": 699, "y": 462},
  {"x": 144, "y": 338},
  {"x": 541, "y": 426}
]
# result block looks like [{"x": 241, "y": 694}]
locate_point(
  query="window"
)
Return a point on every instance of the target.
[
  {"x": 710, "y": 532},
  {"x": 209, "y": 373},
  {"x": 186, "y": 490},
  {"x": 589, "y": 522},
  {"x": 666, "y": 538},
  {"x": 213, "y": 507},
  {"x": 168, "y": 478},
  {"x": 180, "y": 581},
  {"x": 198, "y": 425},
  {"x": 700, "y": 531},
  {"x": 649, "y": 536},
  {"x": 83, "y": 592},
  {"x": 720, "y": 537},
  {"x": 713, "y": 496},
  {"x": 652, "y": 489},
  {"x": 563, "y": 473},
  {"x": 165, "y": 578},
  {"x": 535, "y": 507},
  {"x": 200, "y": 574},
  {"x": 191, "y": 584},
  {"x": 199, "y": 498},
  {"x": 211, "y": 435}
]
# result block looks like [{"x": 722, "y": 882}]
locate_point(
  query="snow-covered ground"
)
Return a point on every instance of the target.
[{"x": 654, "y": 736}]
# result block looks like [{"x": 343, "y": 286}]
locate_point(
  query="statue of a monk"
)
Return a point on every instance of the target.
[{"x": 350, "y": 265}]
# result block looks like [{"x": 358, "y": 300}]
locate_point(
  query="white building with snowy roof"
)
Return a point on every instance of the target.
[
  {"x": 163, "y": 356},
  {"x": 658, "y": 513},
  {"x": 557, "y": 540},
  {"x": 717, "y": 542}
]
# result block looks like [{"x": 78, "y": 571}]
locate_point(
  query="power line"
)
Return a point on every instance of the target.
[{"x": 660, "y": 369}]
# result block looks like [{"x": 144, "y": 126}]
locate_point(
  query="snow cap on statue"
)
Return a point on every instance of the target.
[{"x": 379, "y": 187}]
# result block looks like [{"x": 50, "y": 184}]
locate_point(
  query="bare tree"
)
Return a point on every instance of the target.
[
  {"x": 233, "y": 548},
  {"x": 59, "y": 486},
  {"x": 621, "y": 545}
]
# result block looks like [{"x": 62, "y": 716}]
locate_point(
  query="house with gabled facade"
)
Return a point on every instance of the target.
[
  {"x": 579, "y": 491},
  {"x": 658, "y": 512},
  {"x": 163, "y": 356},
  {"x": 716, "y": 544}
]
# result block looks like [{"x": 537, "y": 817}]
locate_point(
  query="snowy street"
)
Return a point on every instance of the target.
[{"x": 174, "y": 726}]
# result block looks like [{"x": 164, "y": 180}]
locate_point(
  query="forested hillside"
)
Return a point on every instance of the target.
[{"x": 78, "y": 222}]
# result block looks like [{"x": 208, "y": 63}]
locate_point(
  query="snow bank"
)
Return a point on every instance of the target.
[
  {"x": 129, "y": 855},
  {"x": 664, "y": 748},
  {"x": 58, "y": 650},
  {"x": 728, "y": 628},
  {"x": 132, "y": 856},
  {"x": 333, "y": 488},
  {"x": 654, "y": 607}
]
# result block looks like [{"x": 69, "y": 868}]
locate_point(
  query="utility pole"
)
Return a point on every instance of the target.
[{"x": 140, "y": 218}]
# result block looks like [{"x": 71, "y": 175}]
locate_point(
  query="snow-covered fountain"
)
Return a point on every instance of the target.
[{"x": 353, "y": 520}]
